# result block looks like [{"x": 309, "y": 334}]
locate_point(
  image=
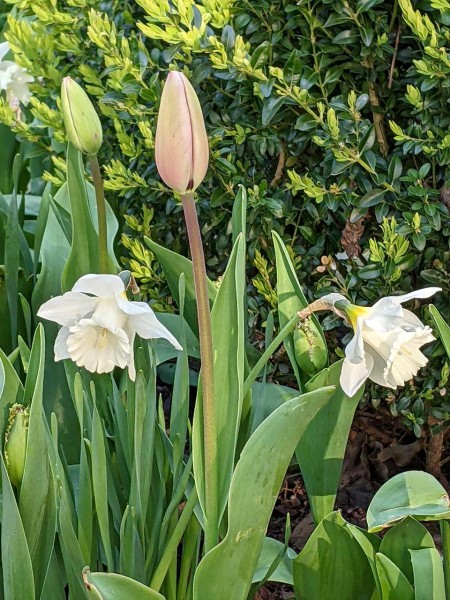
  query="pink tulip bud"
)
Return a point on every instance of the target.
[{"x": 181, "y": 143}]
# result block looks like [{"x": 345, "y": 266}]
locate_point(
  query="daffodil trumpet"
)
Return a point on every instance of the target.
[
  {"x": 386, "y": 345},
  {"x": 99, "y": 324}
]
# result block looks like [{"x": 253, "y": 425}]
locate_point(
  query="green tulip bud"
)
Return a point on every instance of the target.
[
  {"x": 181, "y": 143},
  {"x": 16, "y": 442},
  {"x": 309, "y": 348},
  {"x": 82, "y": 124}
]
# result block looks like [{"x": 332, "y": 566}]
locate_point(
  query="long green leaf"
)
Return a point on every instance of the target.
[
  {"x": 37, "y": 502},
  {"x": 11, "y": 390},
  {"x": 100, "y": 484},
  {"x": 83, "y": 257},
  {"x": 321, "y": 450},
  {"x": 428, "y": 574},
  {"x": 290, "y": 299},
  {"x": 442, "y": 327},
  {"x": 227, "y": 570},
  {"x": 332, "y": 565},
  {"x": 16, "y": 562},
  {"x": 54, "y": 250},
  {"x": 227, "y": 322}
]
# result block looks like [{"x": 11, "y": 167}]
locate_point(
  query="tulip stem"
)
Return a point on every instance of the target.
[
  {"x": 206, "y": 373},
  {"x": 101, "y": 215}
]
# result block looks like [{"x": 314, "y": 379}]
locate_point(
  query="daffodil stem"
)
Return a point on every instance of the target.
[
  {"x": 101, "y": 215},
  {"x": 206, "y": 373},
  {"x": 268, "y": 353}
]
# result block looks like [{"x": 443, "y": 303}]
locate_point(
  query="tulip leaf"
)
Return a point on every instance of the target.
[
  {"x": 11, "y": 390},
  {"x": 100, "y": 484},
  {"x": 321, "y": 450},
  {"x": 414, "y": 493},
  {"x": 332, "y": 564},
  {"x": 270, "y": 551},
  {"x": 227, "y": 570},
  {"x": 173, "y": 265},
  {"x": 37, "y": 500},
  {"x": 370, "y": 544},
  {"x": 83, "y": 256},
  {"x": 428, "y": 574},
  {"x": 110, "y": 586},
  {"x": 227, "y": 323},
  {"x": 16, "y": 561},
  {"x": 442, "y": 327},
  {"x": 407, "y": 535},
  {"x": 290, "y": 300},
  {"x": 394, "y": 585},
  {"x": 12, "y": 255}
]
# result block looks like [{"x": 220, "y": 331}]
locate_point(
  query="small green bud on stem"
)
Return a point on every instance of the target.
[{"x": 16, "y": 442}]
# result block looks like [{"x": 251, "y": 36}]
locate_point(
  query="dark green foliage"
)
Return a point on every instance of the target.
[{"x": 333, "y": 115}]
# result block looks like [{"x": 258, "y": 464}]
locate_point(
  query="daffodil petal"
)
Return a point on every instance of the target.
[
  {"x": 132, "y": 308},
  {"x": 355, "y": 348},
  {"x": 103, "y": 286},
  {"x": 147, "y": 326},
  {"x": 68, "y": 308},
  {"x": 131, "y": 366},
  {"x": 423, "y": 293},
  {"x": 377, "y": 374},
  {"x": 60, "y": 348},
  {"x": 353, "y": 375},
  {"x": 4, "y": 49},
  {"x": 410, "y": 320},
  {"x": 405, "y": 358}
]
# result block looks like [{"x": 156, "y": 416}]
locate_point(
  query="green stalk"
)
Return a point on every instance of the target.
[
  {"x": 206, "y": 373},
  {"x": 268, "y": 353},
  {"x": 445, "y": 534},
  {"x": 101, "y": 215},
  {"x": 170, "y": 550}
]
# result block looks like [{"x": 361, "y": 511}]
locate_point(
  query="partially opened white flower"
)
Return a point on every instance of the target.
[
  {"x": 14, "y": 80},
  {"x": 387, "y": 341},
  {"x": 99, "y": 324}
]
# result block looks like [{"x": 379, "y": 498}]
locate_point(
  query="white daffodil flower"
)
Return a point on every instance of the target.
[
  {"x": 385, "y": 347},
  {"x": 14, "y": 80},
  {"x": 99, "y": 324},
  {"x": 386, "y": 344}
]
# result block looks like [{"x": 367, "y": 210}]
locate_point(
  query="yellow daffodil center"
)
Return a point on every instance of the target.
[{"x": 353, "y": 311}]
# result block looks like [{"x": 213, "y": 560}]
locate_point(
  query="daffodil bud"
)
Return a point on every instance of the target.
[
  {"x": 16, "y": 442},
  {"x": 82, "y": 124},
  {"x": 181, "y": 143},
  {"x": 309, "y": 348}
]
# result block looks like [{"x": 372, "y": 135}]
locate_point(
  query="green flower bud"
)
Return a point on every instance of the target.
[
  {"x": 82, "y": 124},
  {"x": 310, "y": 350},
  {"x": 16, "y": 442}
]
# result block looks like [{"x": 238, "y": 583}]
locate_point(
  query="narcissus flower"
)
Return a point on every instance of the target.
[
  {"x": 81, "y": 121},
  {"x": 181, "y": 143},
  {"x": 14, "y": 80},
  {"x": 387, "y": 341},
  {"x": 99, "y": 324}
]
